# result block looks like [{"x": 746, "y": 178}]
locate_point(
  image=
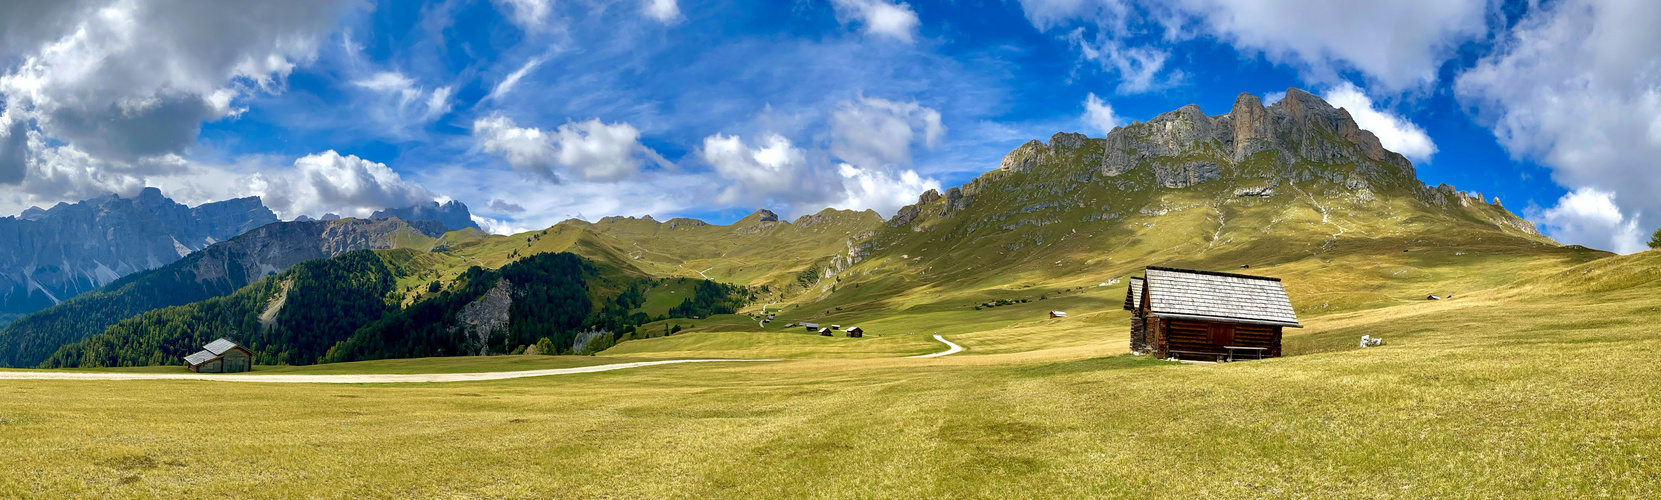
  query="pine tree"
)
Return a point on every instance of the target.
[{"x": 1655, "y": 240}]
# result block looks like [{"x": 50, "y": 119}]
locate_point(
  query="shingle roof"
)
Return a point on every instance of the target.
[
  {"x": 1183, "y": 293},
  {"x": 1133, "y": 297},
  {"x": 200, "y": 357},
  {"x": 219, "y": 346}
]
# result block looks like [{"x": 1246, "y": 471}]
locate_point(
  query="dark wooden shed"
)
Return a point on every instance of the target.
[
  {"x": 221, "y": 356},
  {"x": 1204, "y": 315}
]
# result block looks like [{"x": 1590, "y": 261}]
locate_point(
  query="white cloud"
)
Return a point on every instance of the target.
[
  {"x": 1140, "y": 69},
  {"x": 508, "y": 82},
  {"x": 402, "y": 103},
  {"x": 873, "y": 133},
  {"x": 756, "y": 173},
  {"x": 1099, "y": 114},
  {"x": 1395, "y": 132},
  {"x": 592, "y": 150},
  {"x": 880, "y": 17},
  {"x": 1399, "y": 44},
  {"x": 1576, "y": 86},
  {"x": 665, "y": 11},
  {"x": 499, "y": 226},
  {"x": 131, "y": 79},
  {"x": 1591, "y": 218},
  {"x": 527, "y": 14},
  {"x": 330, "y": 183},
  {"x": 880, "y": 190}
]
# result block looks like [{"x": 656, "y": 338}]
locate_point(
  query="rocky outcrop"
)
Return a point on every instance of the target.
[
  {"x": 765, "y": 215},
  {"x": 1027, "y": 157},
  {"x": 453, "y": 214},
  {"x": 909, "y": 213},
  {"x": 47, "y": 256},
  {"x": 487, "y": 314}
]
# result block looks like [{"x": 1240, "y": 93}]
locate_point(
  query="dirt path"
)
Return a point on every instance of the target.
[
  {"x": 954, "y": 349},
  {"x": 343, "y": 379}
]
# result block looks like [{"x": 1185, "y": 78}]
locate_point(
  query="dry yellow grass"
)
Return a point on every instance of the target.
[{"x": 1544, "y": 390}]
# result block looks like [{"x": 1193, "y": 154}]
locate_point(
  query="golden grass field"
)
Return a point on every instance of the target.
[{"x": 1546, "y": 388}]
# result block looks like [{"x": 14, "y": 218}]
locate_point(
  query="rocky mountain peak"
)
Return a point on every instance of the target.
[
  {"x": 50, "y": 255},
  {"x": 1298, "y": 136},
  {"x": 453, "y": 214}
]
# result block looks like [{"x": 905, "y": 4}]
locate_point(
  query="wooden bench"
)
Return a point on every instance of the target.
[{"x": 1232, "y": 349}]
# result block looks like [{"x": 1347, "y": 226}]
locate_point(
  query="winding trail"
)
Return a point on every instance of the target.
[
  {"x": 346, "y": 379},
  {"x": 954, "y": 349}
]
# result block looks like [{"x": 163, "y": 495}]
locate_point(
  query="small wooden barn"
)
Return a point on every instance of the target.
[
  {"x": 812, "y": 327},
  {"x": 1204, "y": 315},
  {"x": 1058, "y": 314},
  {"x": 221, "y": 356},
  {"x": 856, "y": 332},
  {"x": 825, "y": 332}
]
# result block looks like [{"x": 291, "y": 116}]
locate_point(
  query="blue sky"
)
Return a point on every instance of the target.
[{"x": 533, "y": 111}]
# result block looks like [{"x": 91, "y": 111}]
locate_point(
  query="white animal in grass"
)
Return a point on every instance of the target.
[{"x": 1370, "y": 341}]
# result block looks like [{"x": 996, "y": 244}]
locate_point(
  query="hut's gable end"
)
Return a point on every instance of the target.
[{"x": 1133, "y": 294}]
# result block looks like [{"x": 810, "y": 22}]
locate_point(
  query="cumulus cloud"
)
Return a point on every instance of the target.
[
  {"x": 330, "y": 183},
  {"x": 756, "y": 173},
  {"x": 871, "y": 132},
  {"x": 1399, "y": 44},
  {"x": 1591, "y": 218},
  {"x": 105, "y": 96},
  {"x": 591, "y": 150},
  {"x": 1576, "y": 86},
  {"x": 1099, "y": 114},
  {"x": 1395, "y": 132},
  {"x": 879, "y": 190},
  {"x": 879, "y": 17},
  {"x": 131, "y": 79},
  {"x": 666, "y": 11},
  {"x": 866, "y": 162}
]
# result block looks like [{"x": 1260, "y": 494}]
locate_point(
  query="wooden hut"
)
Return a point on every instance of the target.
[
  {"x": 1058, "y": 314},
  {"x": 812, "y": 327},
  {"x": 1205, "y": 315},
  {"x": 825, "y": 332},
  {"x": 855, "y": 332},
  {"x": 221, "y": 356}
]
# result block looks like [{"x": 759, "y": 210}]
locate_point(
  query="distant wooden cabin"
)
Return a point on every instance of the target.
[
  {"x": 1203, "y": 315},
  {"x": 855, "y": 332},
  {"x": 1057, "y": 314},
  {"x": 812, "y": 327},
  {"x": 825, "y": 332},
  {"x": 836, "y": 327},
  {"x": 221, "y": 356}
]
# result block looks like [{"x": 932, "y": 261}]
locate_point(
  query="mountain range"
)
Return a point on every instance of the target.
[
  {"x": 50, "y": 255},
  {"x": 1295, "y": 188}
]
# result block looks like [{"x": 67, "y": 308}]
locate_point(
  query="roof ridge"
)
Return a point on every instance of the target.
[{"x": 1211, "y": 273}]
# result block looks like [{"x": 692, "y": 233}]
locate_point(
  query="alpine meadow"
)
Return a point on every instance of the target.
[{"x": 836, "y": 249}]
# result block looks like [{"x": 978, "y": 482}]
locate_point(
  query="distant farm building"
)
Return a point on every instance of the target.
[
  {"x": 836, "y": 327},
  {"x": 1058, "y": 314},
  {"x": 825, "y": 332},
  {"x": 221, "y": 356},
  {"x": 855, "y": 332},
  {"x": 1203, "y": 315},
  {"x": 812, "y": 327}
]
